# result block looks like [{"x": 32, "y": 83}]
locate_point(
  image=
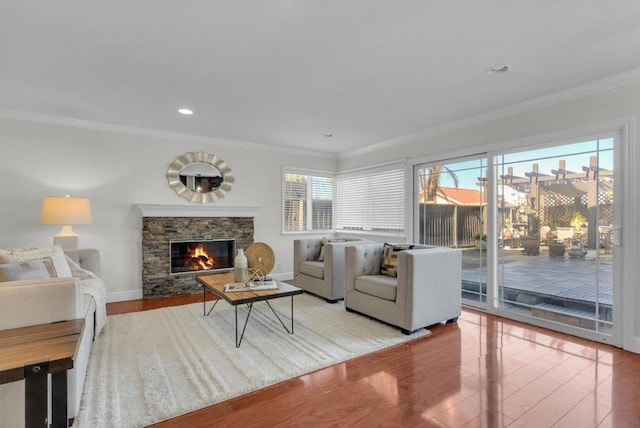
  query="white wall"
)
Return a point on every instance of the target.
[
  {"x": 117, "y": 171},
  {"x": 517, "y": 130}
]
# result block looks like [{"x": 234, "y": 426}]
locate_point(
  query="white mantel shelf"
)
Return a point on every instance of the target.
[{"x": 152, "y": 210}]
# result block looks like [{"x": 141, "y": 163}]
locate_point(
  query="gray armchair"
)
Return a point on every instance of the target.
[
  {"x": 426, "y": 290},
  {"x": 323, "y": 278}
]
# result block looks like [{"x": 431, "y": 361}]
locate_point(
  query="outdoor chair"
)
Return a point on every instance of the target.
[{"x": 564, "y": 233}]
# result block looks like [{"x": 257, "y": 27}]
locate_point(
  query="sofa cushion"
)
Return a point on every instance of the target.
[
  {"x": 381, "y": 286},
  {"x": 19, "y": 255},
  {"x": 390, "y": 252},
  {"x": 314, "y": 269},
  {"x": 33, "y": 269}
]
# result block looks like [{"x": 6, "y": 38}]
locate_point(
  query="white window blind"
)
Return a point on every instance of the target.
[
  {"x": 307, "y": 202},
  {"x": 372, "y": 200}
]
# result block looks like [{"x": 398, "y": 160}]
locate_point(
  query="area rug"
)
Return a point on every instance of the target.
[{"x": 149, "y": 366}]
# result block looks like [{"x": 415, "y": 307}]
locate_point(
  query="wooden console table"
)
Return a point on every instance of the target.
[{"x": 32, "y": 352}]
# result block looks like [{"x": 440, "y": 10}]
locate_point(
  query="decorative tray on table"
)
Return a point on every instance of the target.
[{"x": 250, "y": 286}]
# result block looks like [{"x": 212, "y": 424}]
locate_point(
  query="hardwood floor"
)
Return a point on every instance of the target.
[{"x": 483, "y": 371}]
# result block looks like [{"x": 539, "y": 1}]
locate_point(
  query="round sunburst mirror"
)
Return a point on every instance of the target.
[{"x": 200, "y": 177}]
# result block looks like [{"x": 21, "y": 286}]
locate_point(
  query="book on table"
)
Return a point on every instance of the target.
[{"x": 255, "y": 286}]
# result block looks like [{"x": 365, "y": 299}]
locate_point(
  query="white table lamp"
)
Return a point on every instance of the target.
[{"x": 65, "y": 211}]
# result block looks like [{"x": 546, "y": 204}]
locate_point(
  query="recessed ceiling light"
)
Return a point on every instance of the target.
[
  {"x": 185, "y": 111},
  {"x": 328, "y": 135},
  {"x": 499, "y": 69}
]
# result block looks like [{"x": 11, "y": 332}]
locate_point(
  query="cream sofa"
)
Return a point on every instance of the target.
[
  {"x": 323, "y": 278},
  {"x": 426, "y": 291},
  {"x": 39, "y": 301}
]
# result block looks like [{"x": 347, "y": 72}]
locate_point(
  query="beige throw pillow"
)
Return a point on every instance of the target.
[
  {"x": 19, "y": 255},
  {"x": 321, "y": 256},
  {"x": 34, "y": 269}
]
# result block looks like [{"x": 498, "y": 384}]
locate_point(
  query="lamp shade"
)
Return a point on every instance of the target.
[{"x": 65, "y": 210}]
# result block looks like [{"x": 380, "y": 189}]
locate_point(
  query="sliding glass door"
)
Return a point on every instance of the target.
[
  {"x": 556, "y": 222},
  {"x": 538, "y": 230},
  {"x": 452, "y": 212}
]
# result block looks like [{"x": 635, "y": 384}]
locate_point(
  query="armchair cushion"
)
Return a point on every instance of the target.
[
  {"x": 314, "y": 269},
  {"x": 381, "y": 286}
]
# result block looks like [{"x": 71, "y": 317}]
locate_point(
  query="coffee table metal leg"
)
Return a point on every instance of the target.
[
  {"x": 277, "y": 316},
  {"x": 214, "y": 305},
  {"x": 204, "y": 302},
  {"x": 250, "y": 305}
]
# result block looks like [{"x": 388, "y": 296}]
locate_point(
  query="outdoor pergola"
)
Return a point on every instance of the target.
[{"x": 564, "y": 187}]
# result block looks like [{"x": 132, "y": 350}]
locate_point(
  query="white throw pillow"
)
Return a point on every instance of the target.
[{"x": 19, "y": 255}]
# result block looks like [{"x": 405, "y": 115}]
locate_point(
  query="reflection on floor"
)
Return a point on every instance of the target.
[{"x": 483, "y": 371}]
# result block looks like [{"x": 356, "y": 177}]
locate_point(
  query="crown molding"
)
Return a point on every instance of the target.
[
  {"x": 156, "y": 210},
  {"x": 153, "y": 133},
  {"x": 597, "y": 86},
  {"x": 594, "y": 87}
]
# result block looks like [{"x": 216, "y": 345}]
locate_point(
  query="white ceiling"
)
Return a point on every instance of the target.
[{"x": 286, "y": 72}]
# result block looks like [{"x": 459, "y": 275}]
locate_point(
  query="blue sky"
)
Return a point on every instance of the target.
[{"x": 575, "y": 155}]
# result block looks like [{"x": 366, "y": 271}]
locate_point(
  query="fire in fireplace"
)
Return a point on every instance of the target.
[{"x": 193, "y": 256}]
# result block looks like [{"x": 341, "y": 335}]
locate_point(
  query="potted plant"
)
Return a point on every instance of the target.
[
  {"x": 531, "y": 242},
  {"x": 577, "y": 221},
  {"x": 556, "y": 249},
  {"x": 530, "y": 245},
  {"x": 481, "y": 241},
  {"x": 577, "y": 249}
]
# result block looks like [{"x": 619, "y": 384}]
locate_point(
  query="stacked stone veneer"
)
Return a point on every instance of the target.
[{"x": 157, "y": 232}]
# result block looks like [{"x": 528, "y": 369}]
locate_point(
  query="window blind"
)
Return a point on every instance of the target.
[{"x": 371, "y": 200}]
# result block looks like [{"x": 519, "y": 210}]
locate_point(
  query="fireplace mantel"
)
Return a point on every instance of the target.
[{"x": 153, "y": 210}]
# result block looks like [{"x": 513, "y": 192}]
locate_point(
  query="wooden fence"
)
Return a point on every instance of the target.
[{"x": 450, "y": 225}]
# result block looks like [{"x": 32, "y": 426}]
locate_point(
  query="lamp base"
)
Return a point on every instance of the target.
[
  {"x": 66, "y": 242},
  {"x": 67, "y": 238}
]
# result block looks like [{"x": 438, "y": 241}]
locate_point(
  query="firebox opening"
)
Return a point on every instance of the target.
[{"x": 195, "y": 256}]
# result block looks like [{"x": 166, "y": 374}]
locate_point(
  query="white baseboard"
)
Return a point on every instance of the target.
[
  {"x": 119, "y": 296},
  {"x": 635, "y": 346},
  {"x": 282, "y": 276}
]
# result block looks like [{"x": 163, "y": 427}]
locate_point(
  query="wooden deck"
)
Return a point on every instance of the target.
[{"x": 575, "y": 281}]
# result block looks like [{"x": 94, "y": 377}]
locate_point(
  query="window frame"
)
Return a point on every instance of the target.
[{"x": 308, "y": 221}]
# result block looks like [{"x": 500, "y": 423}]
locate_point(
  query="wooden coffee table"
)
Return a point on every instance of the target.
[{"x": 213, "y": 284}]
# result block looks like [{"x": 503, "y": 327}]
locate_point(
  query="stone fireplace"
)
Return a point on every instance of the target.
[{"x": 160, "y": 228}]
